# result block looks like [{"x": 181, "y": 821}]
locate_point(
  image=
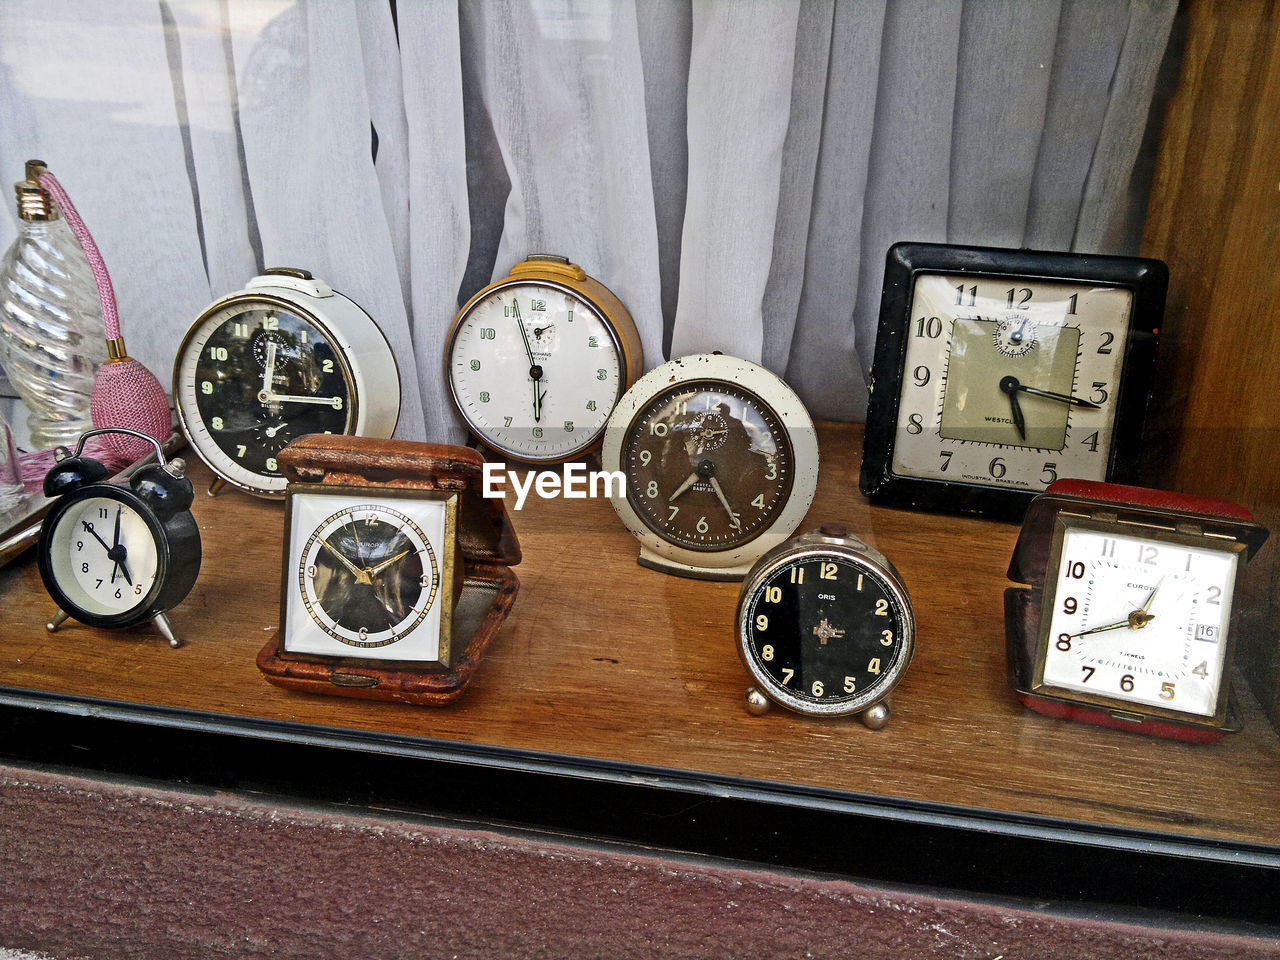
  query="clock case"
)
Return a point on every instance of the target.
[
  {"x": 1138, "y": 511},
  {"x": 557, "y": 272},
  {"x": 1148, "y": 280},
  {"x": 486, "y": 549}
]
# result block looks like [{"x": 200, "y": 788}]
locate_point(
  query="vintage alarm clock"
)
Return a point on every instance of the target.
[
  {"x": 721, "y": 464},
  {"x": 1128, "y": 617},
  {"x": 536, "y": 361},
  {"x": 112, "y": 554},
  {"x": 397, "y": 572},
  {"x": 825, "y": 627},
  {"x": 282, "y": 358},
  {"x": 998, "y": 371}
]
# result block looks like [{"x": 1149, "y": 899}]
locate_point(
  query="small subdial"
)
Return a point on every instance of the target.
[
  {"x": 1015, "y": 335},
  {"x": 707, "y": 432},
  {"x": 261, "y": 348}
]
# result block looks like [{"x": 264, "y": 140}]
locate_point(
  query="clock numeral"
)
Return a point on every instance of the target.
[
  {"x": 657, "y": 428},
  {"x": 311, "y": 571},
  {"x": 593, "y": 341},
  {"x": 1202, "y": 671},
  {"x": 218, "y": 353},
  {"x": 1091, "y": 441},
  {"x": 1088, "y": 674},
  {"x": 773, "y": 470},
  {"x": 682, "y": 407},
  {"x": 591, "y": 404},
  {"x": 817, "y": 688},
  {"x": 996, "y": 468},
  {"x": 602, "y": 374},
  {"x": 84, "y": 568},
  {"x": 1108, "y": 548},
  {"x": 424, "y": 581},
  {"x": 787, "y": 674},
  {"x": 1075, "y": 570},
  {"x": 651, "y": 490},
  {"x": 1126, "y": 683},
  {"x": 946, "y": 456},
  {"x": 827, "y": 571},
  {"x": 217, "y": 423},
  {"x": 488, "y": 333},
  {"x": 118, "y": 594},
  {"x": 506, "y": 421},
  {"x": 886, "y": 638},
  {"x": 645, "y": 457},
  {"x": 540, "y": 305},
  {"x": 1071, "y": 304},
  {"x": 930, "y": 327},
  {"x": 674, "y": 510},
  {"x": 241, "y": 449},
  {"x": 915, "y": 425},
  {"x": 239, "y": 329},
  {"x": 271, "y": 463},
  {"x": 1107, "y": 339},
  {"x": 874, "y": 665},
  {"x": 137, "y": 589},
  {"x": 921, "y": 375},
  {"x": 882, "y": 608},
  {"x": 762, "y": 622},
  {"x": 1049, "y": 473},
  {"x": 79, "y": 544},
  {"x": 849, "y": 685},
  {"x": 758, "y": 502},
  {"x": 701, "y": 525},
  {"x": 1023, "y": 292},
  {"x": 206, "y": 387},
  {"x": 103, "y": 513},
  {"x": 302, "y": 335},
  {"x": 1147, "y": 553},
  {"x": 773, "y": 595},
  {"x": 99, "y": 584},
  {"x": 766, "y": 652},
  {"x": 1099, "y": 394},
  {"x": 960, "y": 293},
  {"x": 270, "y": 323},
  {"x": 363, "y": 633},
  {"x": 1064, "y": 642},
  {"x": 859, "y": 586},
  {"x": 475, "y": 364},
  {"x": 337, "y": 403},
  {"x": 1166, "y": 691},
  {"x": 484, "y": 396},
  {"x": 797, "y": 574},
  {"x": 568, "y": 426},
  {"x": 1215, "y": 596},
  {"x": 1069, "y": 605}
]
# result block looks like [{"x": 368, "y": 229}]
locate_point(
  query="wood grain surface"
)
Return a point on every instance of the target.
[{"x": 602, "y": 658}]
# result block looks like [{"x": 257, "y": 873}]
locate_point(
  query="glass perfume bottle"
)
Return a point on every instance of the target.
[{"x": 51, "y": 339}]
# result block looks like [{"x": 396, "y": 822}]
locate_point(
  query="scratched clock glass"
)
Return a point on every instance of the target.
[
  {"x": 366, "y": 574},
  {"x": 537, "y": 361},
  {"x": 997, "y": 372}
]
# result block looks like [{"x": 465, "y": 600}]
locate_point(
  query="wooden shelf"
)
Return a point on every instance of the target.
[{"x": 606, "y": 660}]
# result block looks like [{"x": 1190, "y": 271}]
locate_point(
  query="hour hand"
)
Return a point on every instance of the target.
[
  {"x": 1010, "y": 386},
  {"x": 362, "y": 576},
  {"x": 724, "y": 502},
  {"x": 375, "y": 570},
  {"x": 688, "y": 482}
]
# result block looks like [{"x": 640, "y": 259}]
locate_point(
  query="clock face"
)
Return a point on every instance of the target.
[
  {"x": 1140, "y": 620},
  {"x": 252, "y": 376},
  {"x": 823, "y": 634},
  {"x": 103, "y": 555},
  {"x": 536, "y": 370},
  {"x": 708, "y": 465},
  {"x": 1010, "y": 382},
  {"x": 365, "y": 575}
]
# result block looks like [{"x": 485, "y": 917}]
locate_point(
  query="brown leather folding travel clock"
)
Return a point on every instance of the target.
[{"x": 396, "y": 572}]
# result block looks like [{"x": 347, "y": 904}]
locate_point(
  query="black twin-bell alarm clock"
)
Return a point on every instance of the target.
[{"x": 113, "y": 553}]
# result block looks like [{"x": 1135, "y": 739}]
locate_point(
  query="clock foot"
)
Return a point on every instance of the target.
[
  {"x": 215, "y": 488},
  {"x": 757, "y": 702},
  {"x": 58, "y": 620},
  {"x": 876, "y": 716},
  {"x": 166, "y": 629}
]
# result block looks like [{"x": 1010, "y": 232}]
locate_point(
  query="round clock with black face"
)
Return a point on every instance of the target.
[
  {"x": 720, "y": 460},
  {"x": 825, "y": 627},
  {"x": 999, "y": 371},
  {"x": 284, "y": 358}
]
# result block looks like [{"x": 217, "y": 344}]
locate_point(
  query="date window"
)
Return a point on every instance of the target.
[{"x": 1207, "y": 631}]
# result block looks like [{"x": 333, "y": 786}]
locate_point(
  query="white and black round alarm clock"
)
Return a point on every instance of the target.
[{"x": 112, "y": 553}]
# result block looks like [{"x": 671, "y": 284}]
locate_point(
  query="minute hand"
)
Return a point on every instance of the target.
[{"x": 1050, "y": 395}]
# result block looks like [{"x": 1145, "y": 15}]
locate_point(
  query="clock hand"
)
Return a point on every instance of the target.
[
  {"x": 268, "y": 372},
  {"x": 375, "y": 570},
  {"x": 115, "y": 546},
  {"x": 89, "y": 528},
  {"x": 1147, "y": 606},
  {"x": 335, "y": 402},
  {"x": 1135, "y": 621},
  {"x": 1010, "y": 386},
  {"x": 734, "y": 521},
  {"x": 689, "y": 482},
  {"x": 362, "y": 576}
]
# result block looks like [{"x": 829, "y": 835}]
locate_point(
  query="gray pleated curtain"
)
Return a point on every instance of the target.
[{"x": 733, "y": 169}]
